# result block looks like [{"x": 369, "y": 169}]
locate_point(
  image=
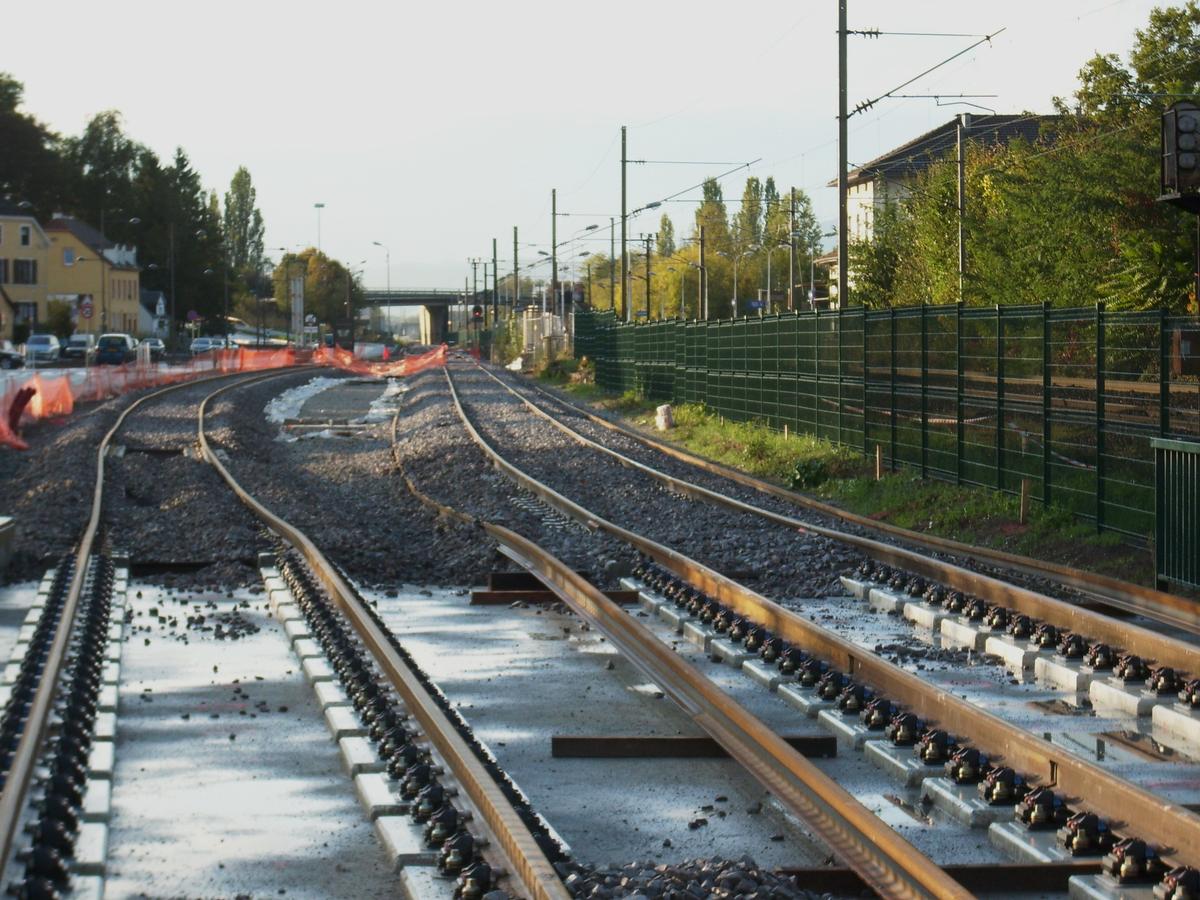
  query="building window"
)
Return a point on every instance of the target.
[
  {"x": 26, "y": 312},
  {"x": 3, "y": 271},
  {"x": 24, "y": 271},
  {"x": 26, "y": 235},
  {"x": 68, "y": 256}
]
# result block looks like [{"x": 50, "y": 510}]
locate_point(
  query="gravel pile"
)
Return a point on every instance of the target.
[
  {"x": 345, "y": 494},
  {"x": 692, "y": 880},
  {"x": 48, "y": 488},
  {"x": 771, "y": 559},
  {"x": 442, "y": 460}
]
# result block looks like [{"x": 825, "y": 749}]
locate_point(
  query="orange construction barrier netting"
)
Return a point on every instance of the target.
[{"x": 55, "y": 395}]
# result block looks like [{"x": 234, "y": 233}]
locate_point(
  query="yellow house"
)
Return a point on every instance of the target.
[
  {"x": 23, "y": 249},
  {"x": 97, "y": 277}
]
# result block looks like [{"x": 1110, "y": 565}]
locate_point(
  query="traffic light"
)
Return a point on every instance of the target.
[
  {"x": 1181, "y": 150},
  {"x": 477, "y": 313}
]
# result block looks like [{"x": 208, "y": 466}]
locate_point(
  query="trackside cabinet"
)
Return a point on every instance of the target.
[{"x": 1177, "y": 512}]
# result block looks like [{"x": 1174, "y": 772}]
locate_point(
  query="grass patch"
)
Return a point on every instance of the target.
[{"x": 844, "y": 477}]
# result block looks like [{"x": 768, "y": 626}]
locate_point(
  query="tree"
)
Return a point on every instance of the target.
[
  {"x": 243, "y": 225},
  {"x": 104, "y": 163},
  {"x": 31, "y": 164},
  {"x": 748, "y": 223},
  {"x": 326, "y": 282},
  {"x": 59, "y": 320},
  {"x": 711, "y": 215},
  {"x": 666, "y": 236}
]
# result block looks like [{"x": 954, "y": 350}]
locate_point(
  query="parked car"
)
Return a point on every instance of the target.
[
  {"x": 42, "y": 348},
  {"x": 201, "y": 345},
  {"x": 115, "y": 349},
  {"x": 157, "y": 348},
  {"x": 9, "y": 357},
  {"x": 79, "y": 346}
]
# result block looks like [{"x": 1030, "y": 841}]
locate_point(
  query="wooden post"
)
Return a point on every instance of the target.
[
  {"x": 1024, "y": 516},
  {"x": 785, "y": 431},
  {"x": 879, "y": 462}
]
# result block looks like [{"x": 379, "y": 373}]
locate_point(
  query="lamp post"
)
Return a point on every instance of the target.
[
  {"x": 388, "y": 256},
  {"x": 770, "y": 251},
  {"x": 318, "y": 207},
  {"x": 701, "y": 312}
]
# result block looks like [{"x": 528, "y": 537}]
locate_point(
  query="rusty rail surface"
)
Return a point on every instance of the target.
[
  {"x": 1163, "y": 606},
  {"x": 878, "y": 855},
  {"x": 1127, "y": 807},
  {"x": 1152, "y": 645},
  {"x": 528, "y": 862},
  {"x": 20, "y": 773}
]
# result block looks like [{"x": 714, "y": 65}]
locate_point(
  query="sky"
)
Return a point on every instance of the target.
[{"x": 433, "y": 128}]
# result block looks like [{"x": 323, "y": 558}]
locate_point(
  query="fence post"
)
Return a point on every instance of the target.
[
  {"x": 1164, "y": 375},
  {"x": 924, "y": 391},
  {"x": 892, "y": 386},
  {"x": 1046, "y": 383},
  {"x": 960, "y": 430},
  {"x": 999, "y": 398},
  {"x": 839, "y": 372},
  {"x": 1100, "y": 366}
]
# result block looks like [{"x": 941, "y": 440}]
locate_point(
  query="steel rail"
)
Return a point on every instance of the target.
[
  {"x": 529, "y": 863},
  {"x": 20, "y": 773},
  {"x": 1127, "y": 807},
  {"x": 1152, "y": 645},
  {"x": 883, "y": 859},
  {"x": 1171, "y": 609}
]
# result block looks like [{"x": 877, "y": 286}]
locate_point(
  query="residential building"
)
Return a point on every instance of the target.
[
  {"x": 152, "y": 314},
  {"x": 23, "y": 252},
  {"x": 98, "y": 277},
  {"x": 890, "y": 177}
]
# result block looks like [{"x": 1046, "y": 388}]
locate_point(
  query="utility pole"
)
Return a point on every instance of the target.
[
  {"x": 171, "y": 245},
  {"x": 554, "y": 253},
  {"x": 964, "y": 119},
  {"x": 612, "y": 263},
  {"x": 648, "y": 237},
  {"x": 495, "y": 287},
  {"x": 792, "y": 253},
  {"x": 843, "y": 218},
  {"x": 516, "y": 274},
  {"x": 624, "y": 252},
  {"x": 702, "y": 283}
]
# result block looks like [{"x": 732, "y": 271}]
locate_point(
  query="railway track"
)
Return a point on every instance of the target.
[
  {"x": 51, "y": 719},
  {"x": 1074, "y": 783}
]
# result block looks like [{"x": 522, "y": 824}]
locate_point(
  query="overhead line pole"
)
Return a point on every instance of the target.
[
  {"x": 624, "y": 252},
  {"x": 495, "y": 289},
  {"x": 561, "y": 309},
  {"x": 791, "y": 300},
  {"x": 843, "y": 246},
  {"x": 612, "y": 263},
  {"x": 516, "y": 274}
]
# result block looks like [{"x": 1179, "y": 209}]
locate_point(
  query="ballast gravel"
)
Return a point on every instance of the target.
[{"x": 691, "y": 880}]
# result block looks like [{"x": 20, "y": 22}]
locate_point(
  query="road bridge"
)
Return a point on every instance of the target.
[{"x": 435, "y": 306}]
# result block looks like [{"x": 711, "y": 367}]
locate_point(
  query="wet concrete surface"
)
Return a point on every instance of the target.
[{"x": 226, "y": 780}]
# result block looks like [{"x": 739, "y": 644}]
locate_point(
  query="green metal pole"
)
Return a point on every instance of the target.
[
  {"x": 1164, "y": 374},
  {"x": 924, "y": 390},
  {"x": 960, "y": 431},
  {"x": 1046, "y": 384},
  {"x": 999, "y": 398},
  {"x": 892, "y": 387}
]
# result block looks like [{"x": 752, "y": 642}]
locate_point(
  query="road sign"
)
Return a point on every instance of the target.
[
  {"x": 755, "y": 304},
  {"x": 193, "y": 316},
  {"x": 85, "y": 307}
]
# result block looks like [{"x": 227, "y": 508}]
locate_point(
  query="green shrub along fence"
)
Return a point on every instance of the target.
[{"x": 1067, "y": 398}]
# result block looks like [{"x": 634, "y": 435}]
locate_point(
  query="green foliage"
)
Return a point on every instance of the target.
[
  {"x": 666, "y": 236},
  {"x": 330, "y": 291},
  {"x": 809, "y": 473},
  {"x": 58, "y": 319},
  {"x": 243, "y": 225}
]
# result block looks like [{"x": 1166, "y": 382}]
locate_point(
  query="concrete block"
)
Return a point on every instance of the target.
[
  {"x": 856, "y": 588},
  {"x": 11, "y": 673},
  {"x": 97, "y": 800},
  {"x": 306, "y": 648},
  {"x": 330, "y": 693},
  {"x": 648, "y": 600},
  {"x": 87, "y": 887},
  {"x": 1133, "y": 700},
  {"x": 1177, "y": 719},
  {"x": 674, "y": 617},
  {"x": 883, "y": 600},
  {"x": 359, "y": 756},
  {"x": 107, "y": 701},
  {"x": 343, "y": 722},
  {"x": 316, "y": 669},
  {"x": 91, "y": 849},
  {"x": 285, "y": 612},
  {"x": 374, "y": 790},
  {"x": 105, "y": 728},
  {"x": 1023, "y": 845},
  {"x": 100, "y": 760},
  {"x": 404, "y": 845},
  {"x": 804, "y": 699},
  {"x": 695, "y": 632},
  {"x": 849, "y": 730},
  {"x": 277, "y": 597},
  {"x": 275, "y": 583},
  {"x": 1102, "y": 887},
  {"x": 1063, "y": 674},
  {"x": 1017, "y": 657},
  {"x": 729, "y": 652},
  {"x": 899, "y": 762},
  {"x": 766, "y": 675},
  {"x": 924, "y": 615},
  {"x": 33, "y": 615},
  {"x": 112, "y": 673},
  {"x": 6, "y": 691},
  {"x": 25, "y": 635},
  {"x": 116, "y": 631},
  {"x": 961, "y": 802},
  {"x": 296, "y": 629},
  {"x": 422, "y": 882},
  {"x": 958, "y": 632},
  {"x": 112, "y": 651}
]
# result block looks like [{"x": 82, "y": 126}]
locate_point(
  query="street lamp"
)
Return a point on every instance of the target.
[{"x": 318, "y": 207}]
